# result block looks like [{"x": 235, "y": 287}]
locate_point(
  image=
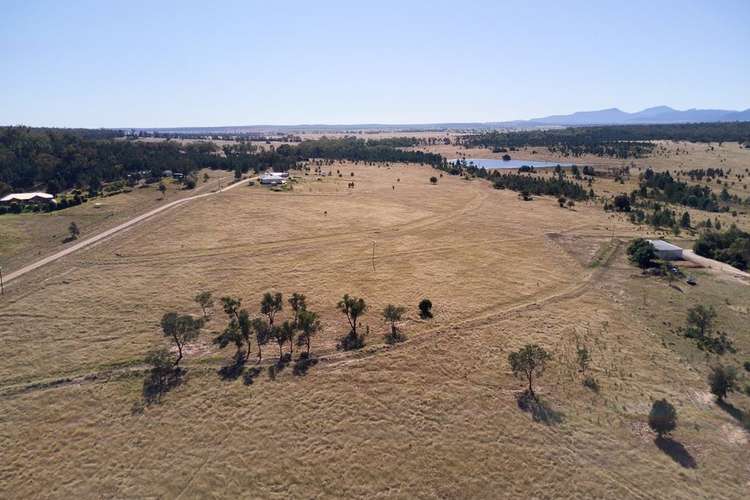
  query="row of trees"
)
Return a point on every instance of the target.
[
  {"x": 243, "y": 330},
  {"x": 731, "y": 246}
]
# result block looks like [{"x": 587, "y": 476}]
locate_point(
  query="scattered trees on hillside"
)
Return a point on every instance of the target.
[
  {"x": 722, "y": 380},
  {"x": 699, "y": 326},
  {"x": 663, "y": 417},
  {"x": 529, "y": 362}
]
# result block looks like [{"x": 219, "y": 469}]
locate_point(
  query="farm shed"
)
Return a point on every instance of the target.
[
  {"x": 37, "y": 198},
  {"x": 666, "y": 251}
]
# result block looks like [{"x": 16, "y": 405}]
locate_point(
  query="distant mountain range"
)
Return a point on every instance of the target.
[
  {"x": 658, "y": 114},
  {"x": 612, "y": 116}
]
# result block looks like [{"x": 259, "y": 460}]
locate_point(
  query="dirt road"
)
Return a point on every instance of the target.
[{"x": 109, "y": 232}]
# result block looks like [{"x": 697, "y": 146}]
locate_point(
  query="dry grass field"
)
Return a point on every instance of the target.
[
  {"x": 435, "y": 416},
  {"x": 29, "y": 236}
]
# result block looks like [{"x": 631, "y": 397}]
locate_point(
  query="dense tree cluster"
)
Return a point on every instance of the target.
[
  {"x": 662, "y": 186},
  {"x": 534, "y": 185},
  {"x": 731, "y": 246}
]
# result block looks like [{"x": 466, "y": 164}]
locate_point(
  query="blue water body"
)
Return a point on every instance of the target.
[{"x": 493, "y": 164}]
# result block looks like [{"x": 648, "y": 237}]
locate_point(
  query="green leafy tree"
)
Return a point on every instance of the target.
[
  {"x": 529, "y": 362},
  {"x": 231, "y": 335},
  {"x": 206, "y": 301},
  {"x": 685, "y": 220},
  {"x": 262, "y": 334},
  {"x": 353, "y": 308},
  {"x": 162, "y": 190},
  {"x": 181, "y": 329},
  {"x": 722, "y": 380},
  {"x": 700, "y": 321},
  {"x": 270, "y": 304},
  {"x": 663, "y": 417},
  {"x": 231, "y": 307},
  {"x": 392, "y": 314},
  {"x": 641, "y": 253},
  {"x": 289, "y": 332},
  {"x": 298, "y": 304},
  {"x": 309, "y": 326}
]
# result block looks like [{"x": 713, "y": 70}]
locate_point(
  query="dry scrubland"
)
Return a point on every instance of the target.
[{"x": 435, "y": 416}]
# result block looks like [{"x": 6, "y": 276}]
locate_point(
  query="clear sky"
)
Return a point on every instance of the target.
[{"x": 188, "y": 63}]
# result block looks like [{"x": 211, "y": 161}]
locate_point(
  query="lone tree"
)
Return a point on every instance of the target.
[
  {"x": 641, "y": 253},
  {"x": 528, "y": 362},
  {"x": 73, "y": 231},
  {"x": 206, "y": 301},
  {"x": 433, "y": 180},
  {"x": 392, "y": 314},
  {"x": 700, "y": 321},
  {"x": 270, "y": 304},
  {"x": 181, "y": 329},
  {"x": 309, "y": 325},
  {"x": 722, "y": 380},
  {"x": 663, "y": 417},
  {"x": 298, "y": 304},
  {"x": 425, "y": 309},
  {"x": 162, "y": 189}
]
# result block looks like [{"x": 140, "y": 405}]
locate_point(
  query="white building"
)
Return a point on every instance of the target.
[
  {"x": 666, "y": 251},
  {"x": 28, "y": 198},
  {"x": 274, "y": 178}
]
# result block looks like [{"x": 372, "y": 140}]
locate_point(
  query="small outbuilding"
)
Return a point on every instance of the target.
[{"x": 666, "y": 251}]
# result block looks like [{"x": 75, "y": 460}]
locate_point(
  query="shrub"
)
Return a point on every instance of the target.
[
  {"x": 591, "y": 383},
  {"x": 433, "y": 179},
  {"x": 425, "y": 309}
]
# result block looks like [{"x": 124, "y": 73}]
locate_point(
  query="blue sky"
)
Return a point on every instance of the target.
[{"x": 134, "y": 64}]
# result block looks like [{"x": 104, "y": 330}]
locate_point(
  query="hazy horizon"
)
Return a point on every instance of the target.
[{"x": 183, "y": 65}]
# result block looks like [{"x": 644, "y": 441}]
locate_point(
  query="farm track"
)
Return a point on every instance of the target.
[{"x": 332, "y": 358}]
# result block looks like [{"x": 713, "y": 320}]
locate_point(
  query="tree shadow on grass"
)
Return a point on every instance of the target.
[
  {"x": 249, "y": 376},
  {"x": 303, "y": 364},
  {"x": 156, "y": 384},
  {"x": 539, "y": 410},
  {"x": 735, "y": 413},
  {"x": 676, "y": 452},
  {"x": 278, "y": 367},
  {"x": 234, "y": 370}
]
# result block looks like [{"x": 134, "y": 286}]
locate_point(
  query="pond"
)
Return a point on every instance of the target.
[{"x": 494, "y": 164}]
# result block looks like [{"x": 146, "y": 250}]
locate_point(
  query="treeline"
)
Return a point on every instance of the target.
[
  {"x": 59, "y": 160},
  {"x": 619, "y": 141},
  {"x": 350, "y": 148}
]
